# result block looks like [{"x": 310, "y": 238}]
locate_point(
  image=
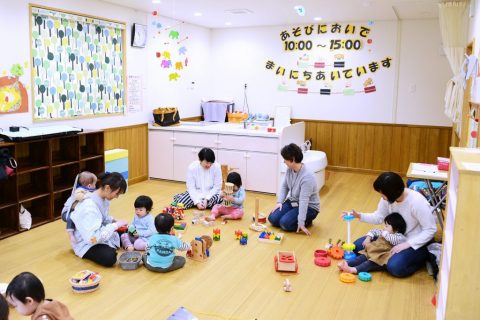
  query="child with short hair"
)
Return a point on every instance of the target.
[
  {"x": 160, "y": 256},
  {"x": 235, "y": 210},
  {"x": 84, "y": 183},
  {"x": 377, "y": 253},
  {"x": 4, "y": 311},
  {"x": 142, "y": 226},
  {"x": 27, "y": 295}
]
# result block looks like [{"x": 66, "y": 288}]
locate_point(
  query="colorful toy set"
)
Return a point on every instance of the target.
[
  {"x": 238, "y": 234},
  {"x": 285, "y": 261},
  {"x": 216, "y": 234},
  {"x": 180, "y": 226},
  {"x": 270, "y": 237},
  {"x": 176, "y": 210},
  {"x": 85, "y": 281},
  {"x": 244, "y": 239},
  {"x": 200, "y": 248},
  {"x": 348, "y": 247}
]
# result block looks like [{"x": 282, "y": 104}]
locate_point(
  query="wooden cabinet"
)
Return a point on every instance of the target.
[
  {"x": 44, "y": 178},
  {"x": 459, "y": 292},
  {"x": 160, "y": 151}
]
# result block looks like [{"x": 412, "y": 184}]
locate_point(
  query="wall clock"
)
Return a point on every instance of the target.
[{"x": 139, "y": 35}]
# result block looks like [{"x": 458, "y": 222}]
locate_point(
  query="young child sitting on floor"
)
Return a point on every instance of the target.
[
  {"x": 377, "y": 252},
  {"x": 160, "y": 256},
  {"x": 235, "y": 210},
  {"x": 27, "y": 295},
  {"x": 142, "y": 226},
  {"x": 84, "y": 183}
]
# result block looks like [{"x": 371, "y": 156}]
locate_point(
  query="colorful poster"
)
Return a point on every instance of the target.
[
  {"x": 13, "y": 95},
  {"x": 77, "y": 66}
]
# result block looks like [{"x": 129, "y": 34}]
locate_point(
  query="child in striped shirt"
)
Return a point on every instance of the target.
[{"x": 377, "y": 252}]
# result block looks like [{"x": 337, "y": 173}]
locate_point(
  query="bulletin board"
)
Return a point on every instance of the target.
[{"x": 78, "y": 65}]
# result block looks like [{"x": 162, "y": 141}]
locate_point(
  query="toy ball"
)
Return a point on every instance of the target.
[
  {"x": 85, "y": 281},
  {"x": 347, "y": 277},
  {"x": 365, "y": 276}
]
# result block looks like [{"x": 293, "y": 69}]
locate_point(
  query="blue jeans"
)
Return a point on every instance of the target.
[
  {"x": 362, "y": 264},
  {"x": 287, "y": 217},
  {"x": 404, "y": 263}
]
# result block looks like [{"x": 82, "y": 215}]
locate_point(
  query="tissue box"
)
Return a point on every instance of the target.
[{"x": 443, "y": 163}]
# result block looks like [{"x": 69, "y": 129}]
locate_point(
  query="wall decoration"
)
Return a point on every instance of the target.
[
  {"x": 326, "y": 54},
  {"x": 13, "y": 95},
  {"x": 78, "y": 65},
  {"x": 171, "y": 48}
]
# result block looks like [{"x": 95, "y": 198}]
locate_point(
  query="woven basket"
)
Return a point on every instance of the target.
[
  {"x": 85, "y": 281},
  {"x": 130, "y": 260},
  {"x": 237, "y": 117}
]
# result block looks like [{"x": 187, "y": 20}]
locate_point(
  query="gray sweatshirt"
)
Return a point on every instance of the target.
[{"x": 300, "y": 187}]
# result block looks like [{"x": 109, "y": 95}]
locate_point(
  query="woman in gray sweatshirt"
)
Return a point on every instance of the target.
[{"x": 298, "y": 202}]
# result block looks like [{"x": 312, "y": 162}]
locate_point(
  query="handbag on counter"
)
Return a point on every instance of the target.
[{"x": 166, "y": 116}]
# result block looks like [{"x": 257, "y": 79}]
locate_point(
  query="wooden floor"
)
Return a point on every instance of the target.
[{"x": 237, "y": 282}]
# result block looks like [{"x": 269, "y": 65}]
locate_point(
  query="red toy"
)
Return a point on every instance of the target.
[
  {"x": 238, "y": 234},
  {"x": 285, "y": 261},
  {"x": 216, "y": 234}
]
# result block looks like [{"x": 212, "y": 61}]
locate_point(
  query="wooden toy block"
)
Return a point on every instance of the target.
[
  {"x": 270, "y": 237},
  {"x": 200, "y": 246},
  {"x": 228, "y": 191},
  {"x": 180, "y": 226},
  {"x": 286, "y": 261}
]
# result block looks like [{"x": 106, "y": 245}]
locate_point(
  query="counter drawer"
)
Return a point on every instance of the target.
[
  {"x": 234, "y": 142},
  {"x": 195, "y": 139}
]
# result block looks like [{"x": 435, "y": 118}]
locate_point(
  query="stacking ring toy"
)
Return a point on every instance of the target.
[
  {"x": 364, "y": 276},
  {"x": 322, "y": 261},
  {"x": 336, "y": 252},
  {"x": 320, "y": 253},
  {"x": 347, "y": 277}
]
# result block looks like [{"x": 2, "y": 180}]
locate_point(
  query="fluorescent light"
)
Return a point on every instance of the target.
[
  {"x": 156, "y": 1},
  {"x": 317, "y": 18},
  {"x": 228, "y": 23},
  {"x": 198, "y": 14}
]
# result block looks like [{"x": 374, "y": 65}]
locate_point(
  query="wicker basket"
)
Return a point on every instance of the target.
[
  {"x": 237, "y": 117},
  {"x": 130, "y": 260},
  {"x": 85, "y": 281}
]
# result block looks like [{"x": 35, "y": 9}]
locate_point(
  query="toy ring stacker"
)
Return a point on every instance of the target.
[
  {"x": 336, "y": 252},
  {"x": 320, "y": 253},
  {"x": 347, "y": 277},
  {"x": 322, "y": 261},
  {"x": 364, "y": 276}
]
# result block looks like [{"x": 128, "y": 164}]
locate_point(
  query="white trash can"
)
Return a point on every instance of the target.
[{"x": 315, "y": 161}]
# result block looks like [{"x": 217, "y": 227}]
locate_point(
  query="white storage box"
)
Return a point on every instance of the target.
[{"x": 315, "y": 161}]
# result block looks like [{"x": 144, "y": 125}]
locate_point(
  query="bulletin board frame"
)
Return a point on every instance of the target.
[{"x": 78, "y": 65}]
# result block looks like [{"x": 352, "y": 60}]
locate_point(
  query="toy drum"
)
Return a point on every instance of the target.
[
  {"x": 85, "y": 281},
  {"x": 261, "y": 218}
]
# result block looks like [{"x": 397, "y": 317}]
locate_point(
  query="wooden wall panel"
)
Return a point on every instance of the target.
[
  {"x": 376, "y": 147},
  {"x": 135, "y": 140}
]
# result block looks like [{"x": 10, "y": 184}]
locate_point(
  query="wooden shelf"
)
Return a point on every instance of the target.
[{"x": 45, "y": 175}]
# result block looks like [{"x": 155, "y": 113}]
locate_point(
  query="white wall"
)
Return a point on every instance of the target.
[
  {"x": 157, "y": 92},
  {"x": 474, "y": 33},
  {"x": 240, "y": 56}
]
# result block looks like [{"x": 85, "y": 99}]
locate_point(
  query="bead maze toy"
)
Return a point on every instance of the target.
[
  {"x": 216, "y": 234},
  {"x": 348, "y": 246},
  {"x": 200, "y": 248},
  {"x": 285, "y": 261},
  {"x": 256, "y": 226},
  {"x": 85, "y": 281},
  {"x": 270, "y": 237},
  {"x": 227, "y": 191}
]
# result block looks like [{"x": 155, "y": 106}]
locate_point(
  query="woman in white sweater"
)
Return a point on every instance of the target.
[
  {"x": 411, "y": 255},
  {"x": 204, "y": 182}
]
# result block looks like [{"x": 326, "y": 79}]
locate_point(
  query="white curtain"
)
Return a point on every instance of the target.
[{"x": 453, "y": 18}]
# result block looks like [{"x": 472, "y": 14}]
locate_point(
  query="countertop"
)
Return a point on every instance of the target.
[{"x": 218, "y": 128}]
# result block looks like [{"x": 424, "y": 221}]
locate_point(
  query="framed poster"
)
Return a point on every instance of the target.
[{"x": 78, "y": 65}]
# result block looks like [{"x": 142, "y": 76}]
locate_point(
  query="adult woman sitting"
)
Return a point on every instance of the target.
[
  {"x": 409, "y": 256},
  {"x": 298, "y": 202},
  {"x": 204, "y": 182},
  {"x": 95, "y": 230}
]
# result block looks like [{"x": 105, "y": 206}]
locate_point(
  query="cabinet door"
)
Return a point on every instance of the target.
[
  {"x": 196, "y": 139},
  {"x": 262, "y": 170},
  {"x": 160, "y": 154},
  {"x": 182, "y": 157},
  {"x": 235, "y": 160}
]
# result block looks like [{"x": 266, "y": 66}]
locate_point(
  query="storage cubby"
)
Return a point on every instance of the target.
[
  {"x": 33, "y": 184},
  {"x": 64, "y": 176},
  {"x": 9, "y": 220},
  {"x": 96, "y": 165},
  {"x": 59, "y": 199},
  {"x": 64, "y": 150},
  {"x": 39, "y": 208},
  {"x": 91, "y": 146},
  {"x": 33, "y": 155},
  {"x": 45, "y": 176},
  {"x": 8, "y": 191}
]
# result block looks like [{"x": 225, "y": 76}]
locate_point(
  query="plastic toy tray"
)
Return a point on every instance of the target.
[{"x": 130, "y": 260}]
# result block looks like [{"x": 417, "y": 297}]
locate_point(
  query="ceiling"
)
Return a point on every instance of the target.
[{"x": 230, "y": 13}]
